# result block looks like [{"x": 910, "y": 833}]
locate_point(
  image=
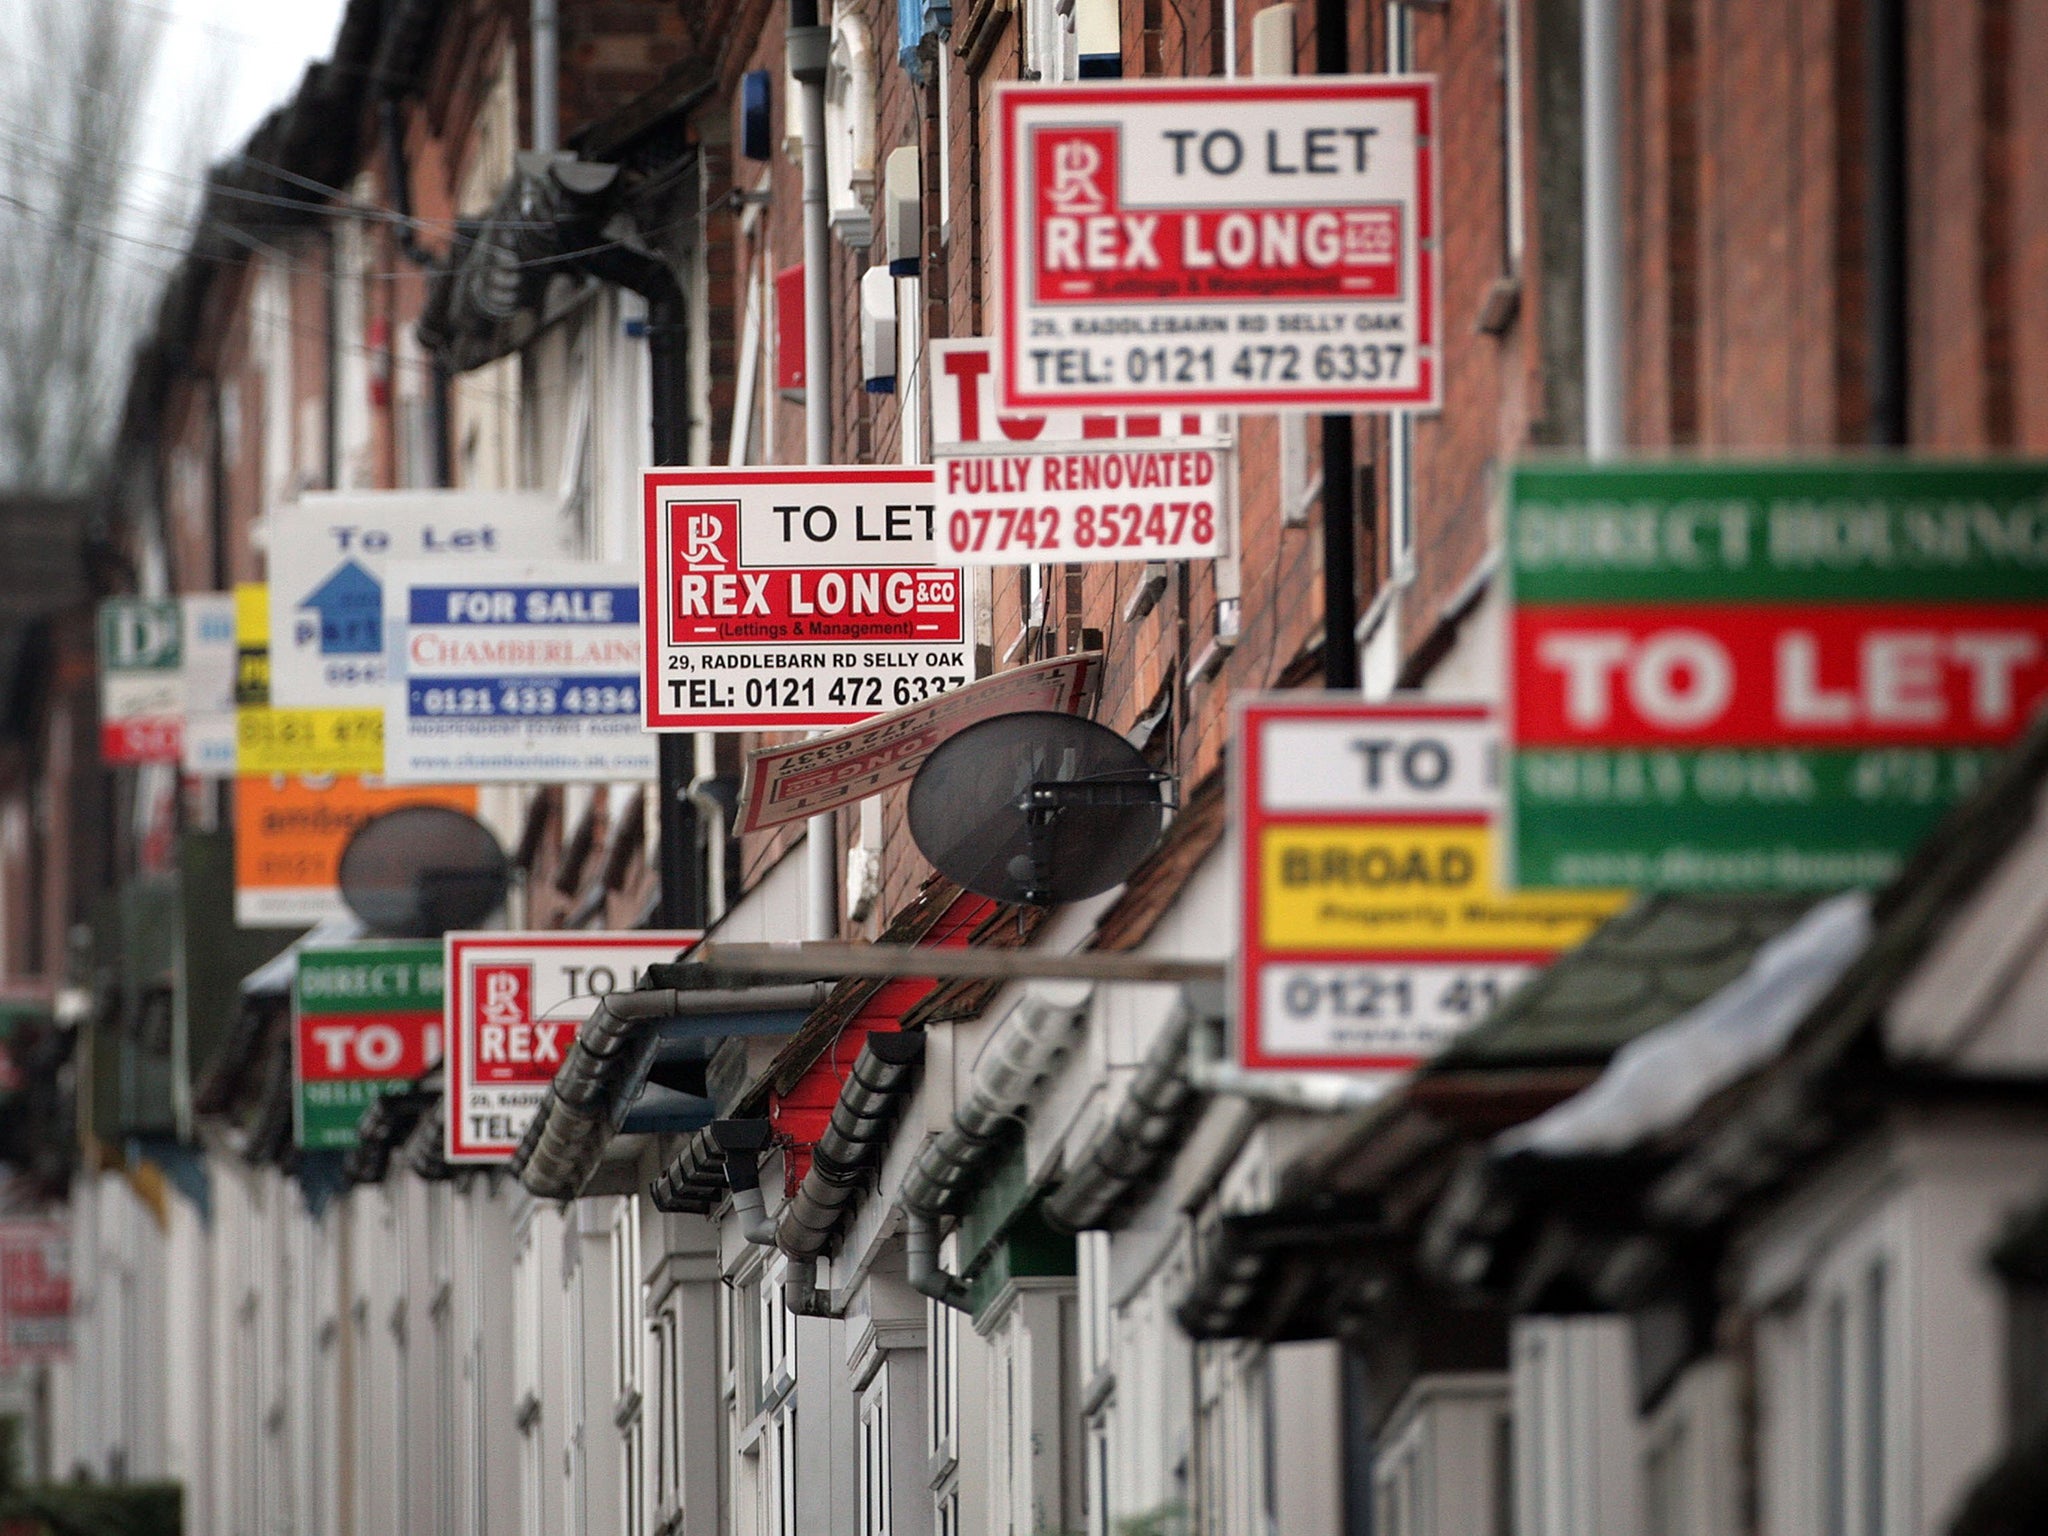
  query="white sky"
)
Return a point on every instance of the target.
[{"x": 252, "y": 51}]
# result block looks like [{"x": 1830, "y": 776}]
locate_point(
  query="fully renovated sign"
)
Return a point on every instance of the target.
[
  {"x": 328, "y": 552},
  {"x": 515, "y": 1002},
  {"x": 796, "y": 599},
  {"x": 1375, "y": 926},
  {"x": 1070, "y": 486},
  {"x": 511, "y": 672},
  {"x": 1229, "y": 243},
  {"x": 366, "y": 1019},
  {"x": 1771, "y": 676}
]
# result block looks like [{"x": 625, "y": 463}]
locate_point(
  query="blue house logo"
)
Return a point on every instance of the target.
[{"x": 349, "y": 609}]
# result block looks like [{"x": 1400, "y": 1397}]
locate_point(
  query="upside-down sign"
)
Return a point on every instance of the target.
[
  {"x": 515, "y": 1002},
  {"x": 1071, "y": 486},
  {"x": 1172, "y": 244},
  {"x": 793, "y": 599}
]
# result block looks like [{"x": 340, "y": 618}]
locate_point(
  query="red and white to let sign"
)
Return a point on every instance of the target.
[
  {"x": 514, "y": 1003},
  {"x": 1267, "y": 243},
  {"x": 795, "y": 598},
  {"x": 1071, "y": 486}
]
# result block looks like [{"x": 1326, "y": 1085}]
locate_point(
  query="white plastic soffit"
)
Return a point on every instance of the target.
[
  {"x": 273, "y": 978},
  {"x": 1655, "y": 1082}
]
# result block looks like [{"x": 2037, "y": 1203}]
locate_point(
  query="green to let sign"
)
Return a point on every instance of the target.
[
  {"x": 366, "y": 1018},
  {"x": 1762, "y": 676}
]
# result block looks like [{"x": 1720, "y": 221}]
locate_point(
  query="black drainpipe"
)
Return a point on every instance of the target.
[
  {"x": 1340, "y": 515},
  {"x": 684, "y": 901},
  {"x": 331, "y": 446},
  {"x": 400, "y": 175},
  {"x": 1884, "y": 108}
]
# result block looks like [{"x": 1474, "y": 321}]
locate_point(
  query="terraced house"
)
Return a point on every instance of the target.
[{"x": 1729, "y": 1222}]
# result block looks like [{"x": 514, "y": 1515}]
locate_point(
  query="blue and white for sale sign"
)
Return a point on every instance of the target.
[{"x": 507, "y": 671}]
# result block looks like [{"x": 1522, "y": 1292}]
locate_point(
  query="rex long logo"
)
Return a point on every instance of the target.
[
  {"x": 1089, "y": 247},
  {"x": 512, "y": 1046}
]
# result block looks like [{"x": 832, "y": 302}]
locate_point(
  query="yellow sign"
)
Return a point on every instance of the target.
[
  {"x": 1415, "y": 888},
  {"x": 307, "y": 741}
]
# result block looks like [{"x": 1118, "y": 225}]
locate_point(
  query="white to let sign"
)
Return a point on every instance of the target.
[
  {"x": 209, "y": 684},
  {"x": 504, "y": 671},
  {"x": 796, "y": 598},
  {"x": 788, "y": 783},
  {"x": 1375, "y": 927},
  {"x": 1070, "y": 487},
  {"x": 328, "y": 553},
  {"x": 514, "y": 1003},
  {"x": 1228, "y": 243}
]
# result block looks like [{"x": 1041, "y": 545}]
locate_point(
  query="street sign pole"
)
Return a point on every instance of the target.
[{"x": 1340, "y": 533}]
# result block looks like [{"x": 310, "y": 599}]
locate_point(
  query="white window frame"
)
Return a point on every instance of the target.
[{"x": 875, "y": 1480}]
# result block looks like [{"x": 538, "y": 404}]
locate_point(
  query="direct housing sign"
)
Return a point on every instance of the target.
[{"x": 1770, "y": 676}]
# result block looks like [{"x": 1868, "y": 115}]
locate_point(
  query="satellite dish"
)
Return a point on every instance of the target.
[
  {"x": 1038, "y": 807},
  {"x": 421, "y": 870}
]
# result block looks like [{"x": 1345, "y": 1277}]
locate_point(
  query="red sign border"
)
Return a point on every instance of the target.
[
  {"x": 673, "y": 940},
  {"x": 1420, "y": 88},
  {"x": 653, "y": 594}
]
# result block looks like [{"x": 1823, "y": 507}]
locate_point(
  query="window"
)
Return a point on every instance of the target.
[
  {"x": 1051, "y": 50},
  {"x": 1855, "y": 1422},
  {"x": 850, "y": 130},
  {"x": 874, "y": 1456},
  {"x": 942, "y": 1327},
  {"x": 1664, "y": 1501},
  {"x": 1098, "y": 1393},
  {"x": 761, "y": 1354},
  {"x": 628, "y": 1344},
  {"x": 669, "y": 1393},
  {"x": 1426, "y": 1478}
]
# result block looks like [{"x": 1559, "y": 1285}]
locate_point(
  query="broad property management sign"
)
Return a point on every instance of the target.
[
  {"x": 1374, "y": 927},
  {"x": 1768, "y": 676}
]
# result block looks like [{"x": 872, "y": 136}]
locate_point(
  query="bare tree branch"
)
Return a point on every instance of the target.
[{"x": 85, "y": 231}]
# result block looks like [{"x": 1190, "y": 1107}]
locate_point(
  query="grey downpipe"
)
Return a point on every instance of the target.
[
  {"x": 605, "y": 1069},
  {"x": 547, "y": 69},
  {"x": 743, "y": 1177},
  {"x": 1606, "y": 320},
  {"x": 801, "y": 1295},
  {"x": 400, "y": 175},
  {"x": 711, "y": 819},
  {"x": 809, "y": 53},
  {"x": 921, "y": 1261}
]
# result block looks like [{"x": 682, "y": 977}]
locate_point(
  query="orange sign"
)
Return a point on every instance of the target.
[{"x": 289, "y": 833}]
